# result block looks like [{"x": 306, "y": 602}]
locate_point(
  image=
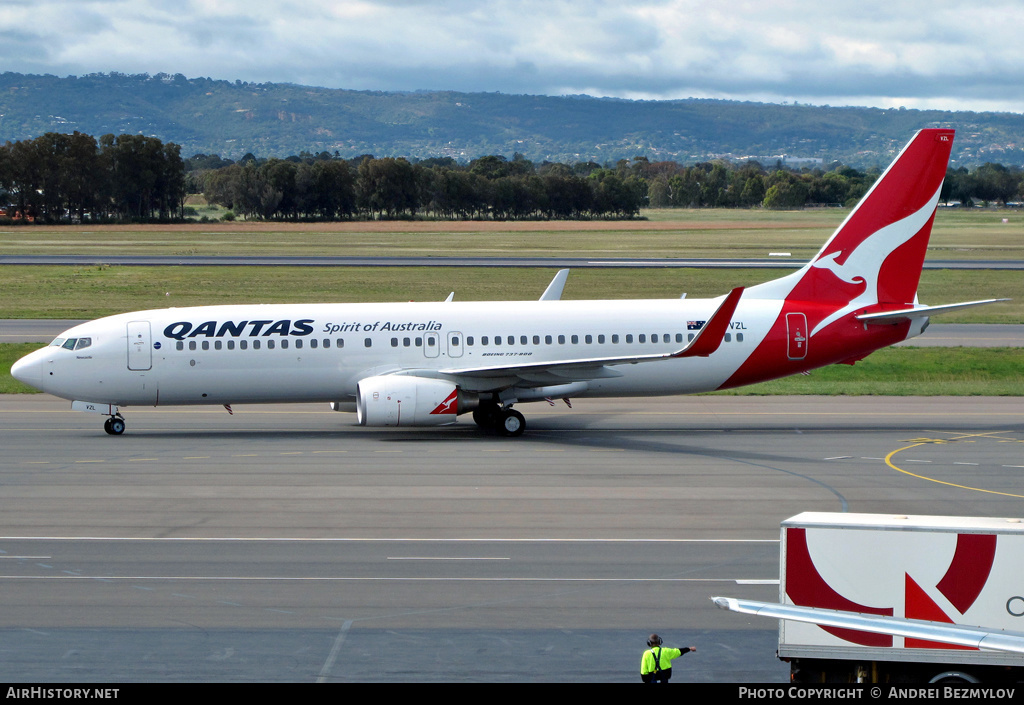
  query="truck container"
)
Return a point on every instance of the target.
[{"x": 933, "y": 569}]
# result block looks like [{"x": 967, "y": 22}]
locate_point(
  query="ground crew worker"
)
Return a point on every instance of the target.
[{"x": 655, "y": 659}]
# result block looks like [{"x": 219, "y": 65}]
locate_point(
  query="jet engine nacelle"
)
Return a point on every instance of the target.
[{"x": 398, "y": 400}]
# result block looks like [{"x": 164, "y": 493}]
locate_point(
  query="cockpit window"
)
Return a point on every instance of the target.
[{"x": 72, "y": 343}]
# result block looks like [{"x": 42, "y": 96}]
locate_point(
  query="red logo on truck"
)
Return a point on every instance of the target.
[{"x": 961, "y": 584}]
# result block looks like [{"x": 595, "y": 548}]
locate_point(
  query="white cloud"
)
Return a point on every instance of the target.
[{"x": 906, "y": 52}]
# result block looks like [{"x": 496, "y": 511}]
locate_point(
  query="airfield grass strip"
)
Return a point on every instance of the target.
[
  {"x": 903, "y": 371},
  {"x": 87, "y": 292}
]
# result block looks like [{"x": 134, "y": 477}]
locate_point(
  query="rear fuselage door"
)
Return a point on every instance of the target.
[
  {"x": 140, "y": 346},
  {"x": 796, "y": 327}
]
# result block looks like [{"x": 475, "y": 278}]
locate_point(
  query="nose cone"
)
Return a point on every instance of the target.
[{"x": 29, "y": 369}]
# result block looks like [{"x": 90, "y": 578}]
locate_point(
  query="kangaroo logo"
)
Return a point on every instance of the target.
[
  {"x": 450, "y": 405},
  {"x": 863, "y": 264}
]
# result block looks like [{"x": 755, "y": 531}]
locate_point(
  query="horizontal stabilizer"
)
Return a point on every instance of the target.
[
  {"x": 907, "y": 314},
  {"x": 956, "y": 634}
]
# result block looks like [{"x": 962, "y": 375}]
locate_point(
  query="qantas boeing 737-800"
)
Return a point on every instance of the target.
[{"x": 422, "y": 364}]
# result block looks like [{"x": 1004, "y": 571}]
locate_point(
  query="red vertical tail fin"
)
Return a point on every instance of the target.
[
  {"x": 871, "y": 263},
  {"x": 876, "y": 255}
]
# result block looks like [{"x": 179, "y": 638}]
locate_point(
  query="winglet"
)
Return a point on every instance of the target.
[
  {"x": 711, "y": 335},
  {"x": 554, "y": 290}
]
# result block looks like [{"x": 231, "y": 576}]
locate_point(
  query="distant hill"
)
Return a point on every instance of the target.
[{"x": 279, "y": 119}]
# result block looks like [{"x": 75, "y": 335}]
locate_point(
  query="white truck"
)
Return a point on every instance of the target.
[{"x": 889, "y": 598}]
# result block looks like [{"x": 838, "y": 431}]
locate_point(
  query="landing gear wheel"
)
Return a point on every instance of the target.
[
  {"x": 511, "y": 423},
  {"x": 486, "y": 415},
  {"x": 114, "y": 426}
]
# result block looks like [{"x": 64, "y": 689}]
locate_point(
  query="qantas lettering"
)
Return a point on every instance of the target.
[{"x": 184, "y": 329}]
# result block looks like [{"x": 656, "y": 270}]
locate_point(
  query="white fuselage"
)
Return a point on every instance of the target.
[{"x": 319, "y": 352}]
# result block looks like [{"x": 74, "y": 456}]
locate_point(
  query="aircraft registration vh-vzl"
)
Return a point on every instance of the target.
[{"x": 422, "y": 364}]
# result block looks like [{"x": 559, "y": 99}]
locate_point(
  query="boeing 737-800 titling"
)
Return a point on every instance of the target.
[{"x": 422, "y": 364}]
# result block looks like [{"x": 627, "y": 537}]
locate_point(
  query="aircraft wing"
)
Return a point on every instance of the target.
[
  {"x": 704, "y": 343},
  {"x": 957, "y": 634}
]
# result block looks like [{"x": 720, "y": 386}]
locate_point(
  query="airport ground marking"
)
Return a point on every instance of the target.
[{"x": 989, "y": 434}]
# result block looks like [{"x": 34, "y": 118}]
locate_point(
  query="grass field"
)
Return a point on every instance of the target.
[
  {"x": 958, "y": 234},
  {"x": 93, "y": 291}
]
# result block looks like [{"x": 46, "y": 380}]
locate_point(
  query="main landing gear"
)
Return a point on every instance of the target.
[
  {"x": 114, "y": 425},
  {"x": 505, "y": 420}
]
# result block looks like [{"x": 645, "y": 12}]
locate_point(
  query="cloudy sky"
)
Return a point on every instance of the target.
[{"x": 885, "y": 53}]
